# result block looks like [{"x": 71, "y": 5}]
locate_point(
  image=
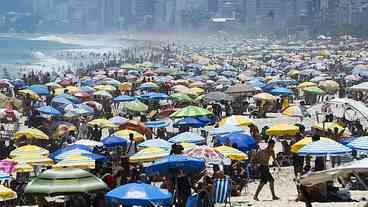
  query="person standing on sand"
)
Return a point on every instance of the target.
[{"x": 262, "y": 159}]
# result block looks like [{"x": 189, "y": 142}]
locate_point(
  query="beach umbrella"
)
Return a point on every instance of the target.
[
  {"x": 28, "y": 150},
  {"x": 156, "y": 124},
  {"x": 104, "y": 94},
  {"x": 102, "y": 123},
  {"x": 196, "y": 91},
  {"x": 314, "y": 90},
  {"x": 33, "y": 159},
  {"x": 76, "y": 152},
  {"x": 360, "y": 87},
  {"x": 29, "y": 92},
  {"x": 181, "y": 97},
  {"x": 76, "y": 161},
  {"x": 149, "y": 154},
  {"x": 135, "y": 106},
  {"x": 181, "y": 89},
  {"x": 148, "y": 85},
  {"x": 329, "y": 85},
  {"x": 62, "y": 128},
  {"x": 8, "y": 166},
  {"x": 88, "y": 143},
  {"x": 167, "y": 165},
  {"x": 49, "y": 110},
  {"x": 7, "y": 194},
  {"x": 65, "y": 181},
  {"x": 141, "y": 194},
  {"x": 87, "y": 89},
  {"x": 208, "y": 154},
  {"x": 123, "y": 98},
  {"x": 69, "y": 148},
  {"x": 160, "y": 143},
  {"x": 256, "y": 83},
  {"x": 126, "y": 86},
  {"x": 306, "y": 85},
  {"x": 108, "y": 88},
  {"x": 80, "y": 109},
  {"x": 244, "y": 142},
  {"x": 324, "y": 147},
  {"x": 69, "y": 97},
  {"x": 264, "y": 97},
  {"x": 155, "y": 96},
  {"x": 240, "y": 88},
  {"x": 190, "y": 111},
  {"x": 118, "y": 120},
  {"x": 110, "y": 81},
  {"x": 360, "y": 143},
  {"x": 138, "y": 137},
  {"x": 53, "y": 85},
  {"x": 24, "y": 168},
  {"x": 41, "y": 90},
  {"x": 217, "y": 96},
  {"x": 329, "y": 126},
  {"x": 82, "y": 95},
  {"x": 60, "y": 102},
  {"x": 283, "y": 130},
  {"x": 188, "y": 146},
  {"x": 236, "y": 120},
  {"x": 193, "y": 122},
  {"x": 226, "y": 129},
  {"x": 296, "y": 111},
  {"x": 31, "y": 133},
  {"x": 303, "y": 142},
  {"x": 114, "y": 141},
  {"x": 187, "y": 137},
  {"x": 232, "y": 153},
  {"x": 280, "y": 91}
]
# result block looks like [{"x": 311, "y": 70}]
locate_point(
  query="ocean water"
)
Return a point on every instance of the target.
[{"x": 28, "y": 50}]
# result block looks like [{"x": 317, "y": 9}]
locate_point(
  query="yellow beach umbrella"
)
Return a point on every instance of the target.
[
  {"x": 264, "y": 97},
  {"x": 329, "y": 126},
  {"x": 108, "y": 88},
  {"x": 73, "y": 89},
  {"x": 197, "y": 91},
  {"x": 31, "y": 133},
  {"x": 125, "y": 133},
  {"x": 188, "y": 146},
  {"x": 301, "y": 143},
  {"x": 283, "y": 130},
  {"x": 102, "y": 123},
  {"x": 296, "y": 111},
  {"x": 23, "y": 168},
  {"x": 7, "y": 194},
  {"x": 76, "y": 161},
  {"x": 33, "y": 160},
  {"x": 32, "y": 94},
  {"x": 306, "y": 85},
  {"x": 149, "y": 154},
  {"x": 236, "y": 120},
  {"x": 232, "y": 153},
  {"x": 126, "y": 86},
  {"x": 29, "y": 150}
]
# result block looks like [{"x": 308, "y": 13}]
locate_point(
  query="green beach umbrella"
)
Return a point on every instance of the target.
[
  {"x": 181, "y": 97},
  {"x": 65, "y": 181},
  {"x": 135, "y": 106},
  {"x": 314, "y": 90},
  {"x": 190, "y": 111},
  {"x": 129, "y": 67}
]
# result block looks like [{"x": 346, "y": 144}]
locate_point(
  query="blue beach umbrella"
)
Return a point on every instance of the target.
[
  {"x": 360, "y": 143},
  {"x": 244, "y": 142},
  {"x": 257, "y": 83},
  {"x": 123, "y": 98},
  {"x": 324, "y": 147},
  {"x": 139, "y": 194},
  {"x": 41, "y": 90},
  {"x": 281, "y": 91},
  {"x": 190, "y": 122},
  {"x": 166, "y": 165},
  {"x": 155, "y": 96},
  {"x": 226, "y": 129},
  {"x": 49, "y": 110},
  {"x": 69, "y": 148},
  {"x": 71, "y": 98},
  {"x": 156, "y": 124},
  {"x": 161, "y": 143},
  {"x": 114, "y": 141},
  {"x": 187, "y": 137}
]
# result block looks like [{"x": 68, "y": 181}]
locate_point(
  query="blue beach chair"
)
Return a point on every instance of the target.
[{"x": 222, "y": 191}]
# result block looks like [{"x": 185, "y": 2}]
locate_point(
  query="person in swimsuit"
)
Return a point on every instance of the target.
[{"x": 262, "y": 160}]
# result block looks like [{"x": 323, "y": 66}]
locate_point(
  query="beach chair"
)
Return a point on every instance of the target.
[{"x": 222, "y": 191}]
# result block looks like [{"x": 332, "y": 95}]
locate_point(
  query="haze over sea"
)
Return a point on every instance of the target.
[{"x": 45, "y": 52}]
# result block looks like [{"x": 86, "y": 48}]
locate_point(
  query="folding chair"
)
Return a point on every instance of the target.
[{"x": 222, "y": 191}]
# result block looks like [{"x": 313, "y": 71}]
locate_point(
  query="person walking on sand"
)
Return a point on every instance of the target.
[{"x": 262, "y": 159}]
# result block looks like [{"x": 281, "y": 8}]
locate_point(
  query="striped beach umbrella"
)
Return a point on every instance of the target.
[
  {"x": 191, "y": 111},
  {"x": 208, "y": 154},
  {"x": 283, "y": 130},
  {"x": 360, "y": 143},
  {"x": 149, "y": 154},
  {"x": 76, "y": 161},
  {"x": 29, "y": 150},
  {"x": 324, "y": 147},
  {"x": 232, "y": 153}
]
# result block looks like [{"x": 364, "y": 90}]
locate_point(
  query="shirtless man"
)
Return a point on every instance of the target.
[{"x": 262, "y": 160}]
